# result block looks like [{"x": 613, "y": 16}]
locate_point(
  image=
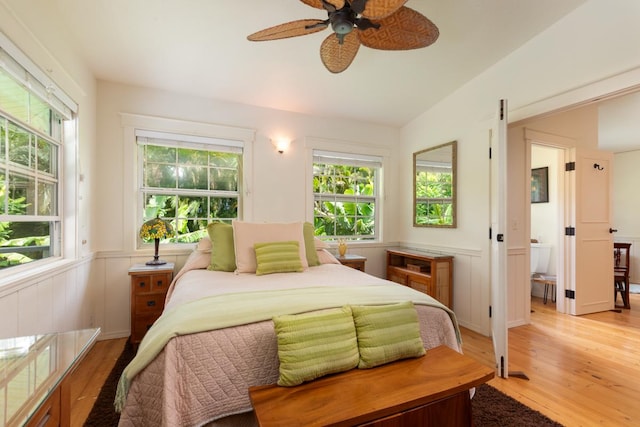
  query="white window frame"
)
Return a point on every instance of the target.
[
  {"x": 132, "y": 205},
  {"x": 173, "y": 140},
  {"x": 63, "y": 236},
  {"x": 352, "y": 150}
]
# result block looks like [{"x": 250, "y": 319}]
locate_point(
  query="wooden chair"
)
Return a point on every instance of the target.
[{"x": 621, "y": 273}]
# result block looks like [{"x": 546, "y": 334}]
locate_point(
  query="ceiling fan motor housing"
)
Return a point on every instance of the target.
[{"x": 342, "y": 21}]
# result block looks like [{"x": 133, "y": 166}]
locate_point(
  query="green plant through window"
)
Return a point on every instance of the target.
[
  {"x": 345, "y": 200},
  {"x": 189, "y": 188},
  {"x": 434, "y": 192},
  {"x": 30, "y": 136}
]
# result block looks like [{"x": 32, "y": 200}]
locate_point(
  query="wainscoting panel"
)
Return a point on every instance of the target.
[
  {"x": 56, "y": 300},
  {"x": 94, "y": 292},
  {"x": 9, "y": 315},
  {"x": 111, "y": 289},
  {"x": 117, "y": 301},
  {"x": 471, "y": 297}
]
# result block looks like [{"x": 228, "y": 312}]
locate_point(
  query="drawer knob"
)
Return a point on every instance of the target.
[
  {"x": 151, "y": 303},
  {"x": 159, "y": 283},
  {"x": 142, "y": 285}
]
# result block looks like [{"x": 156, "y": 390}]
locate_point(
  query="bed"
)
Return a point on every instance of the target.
[{"x": 216, "y": 337}]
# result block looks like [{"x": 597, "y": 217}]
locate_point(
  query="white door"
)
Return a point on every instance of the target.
[
  {"x": 589, "y": 211},
  {"x": 499, "y": 240}
]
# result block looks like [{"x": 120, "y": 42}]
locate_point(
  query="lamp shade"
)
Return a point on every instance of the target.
[{"x": 156, "y": 229}]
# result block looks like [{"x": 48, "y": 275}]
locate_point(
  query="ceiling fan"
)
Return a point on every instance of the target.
[{"x": 377, "y": 24}]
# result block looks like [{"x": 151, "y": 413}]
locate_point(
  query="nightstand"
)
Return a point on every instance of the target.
[
  {"x": 149, "y": 285},
  {"x": 353, "y": 261}
]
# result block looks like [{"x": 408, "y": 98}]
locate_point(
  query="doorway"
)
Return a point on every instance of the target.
[{"x": 546, "y": 219}]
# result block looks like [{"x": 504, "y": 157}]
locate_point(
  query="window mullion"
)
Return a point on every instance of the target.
[{"x": 180, "y": 184}]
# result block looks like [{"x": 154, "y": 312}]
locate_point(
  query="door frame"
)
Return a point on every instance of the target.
[{"x": 563, "y": 272}]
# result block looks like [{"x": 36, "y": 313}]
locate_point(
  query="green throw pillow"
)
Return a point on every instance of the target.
[
  {"x": 387, "y": 333},
  {"x": 309, "y": 244},
  {"x": 223, "y": 255},
  {"x": 311, "y": 345},
  {"x": 278, "y": 257}
]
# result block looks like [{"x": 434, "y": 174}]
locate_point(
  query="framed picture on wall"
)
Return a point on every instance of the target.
[{"x": 540, "y": 185}]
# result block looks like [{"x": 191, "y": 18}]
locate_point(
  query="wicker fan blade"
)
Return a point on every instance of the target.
[
  {"x": 376, "y": 9},
  {"x": 337, "y": 57},
  {"x": 338, "y": 4},
  {"x": 403, "y": 30},
  {"x": 289, "y": 29}
]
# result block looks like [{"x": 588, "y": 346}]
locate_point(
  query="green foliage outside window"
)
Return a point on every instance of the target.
[
  {"x": 344, "y": 201},
  {"x": 28, "y": 174},
  {"x": 190, "y": 188},
  {"x": 434, "y": 193}
]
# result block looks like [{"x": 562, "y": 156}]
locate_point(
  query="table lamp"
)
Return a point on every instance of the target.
[{"x": 156, "y": 229}]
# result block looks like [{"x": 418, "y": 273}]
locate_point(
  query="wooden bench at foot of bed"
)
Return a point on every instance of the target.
[{"x": 432, "y": 390}]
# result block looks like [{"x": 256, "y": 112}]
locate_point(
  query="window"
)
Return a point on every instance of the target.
[
  {"x": 189, "y": 181},
  {"x": 345, "y": 189},
  {"x": 31, "y": 137}
]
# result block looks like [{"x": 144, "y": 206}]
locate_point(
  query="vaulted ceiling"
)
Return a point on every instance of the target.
[{"x": 200, "y": 47}]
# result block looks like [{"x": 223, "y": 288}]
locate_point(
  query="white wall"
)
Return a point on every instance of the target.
[
  {"x": 569, "y": 55},
  {"x": 278, "y": 190},
  {"x": 59, "y": 296},
  {"x": 544, "y": 216},
  {"x": 545, "y": 223}
]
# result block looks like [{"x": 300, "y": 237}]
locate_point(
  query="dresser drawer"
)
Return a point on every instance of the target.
[
  {"x": 49, "y": 413},
  {"x": 149, "y": 303},
  {"x": 422, "y": 286},
  {"x": 429, "y": 273},
  {"x": 140, "y": 326},
  {"x": 151, "y": 283},
  {"x": 395, "y": 275}
]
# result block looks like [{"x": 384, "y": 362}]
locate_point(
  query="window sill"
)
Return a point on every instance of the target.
[{"x": 13, "y": 280}]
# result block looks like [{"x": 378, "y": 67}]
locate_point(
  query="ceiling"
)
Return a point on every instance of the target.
[
  {"x": 619, "y": 123},
  {"x": 199, "y": 47}
]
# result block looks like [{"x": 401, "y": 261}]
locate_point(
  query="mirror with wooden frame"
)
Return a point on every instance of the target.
[{"x": 434, "y": 186}]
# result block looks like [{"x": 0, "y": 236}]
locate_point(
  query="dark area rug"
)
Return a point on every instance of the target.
[
  {"x": 491, "y": 408},
  {"x": 103, "y": 413}
]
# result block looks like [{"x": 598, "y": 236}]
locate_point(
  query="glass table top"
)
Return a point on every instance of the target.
[{"x": 32, "y": 367}]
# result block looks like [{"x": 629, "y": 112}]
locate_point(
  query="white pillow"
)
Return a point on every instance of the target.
[
  {"x": 320, "y": 244},
  {"x": 246, "y": 234},
  {"x": 325, "y": 257},
  {"x": 204, "y": 245}
]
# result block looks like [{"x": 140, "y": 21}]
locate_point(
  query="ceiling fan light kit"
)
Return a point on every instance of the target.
[{"x": 377, "y": 24}]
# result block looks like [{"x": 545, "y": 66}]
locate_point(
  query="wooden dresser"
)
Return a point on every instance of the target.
[
  {"x": 432, "y": 390},
  {"x": 423, "y": 271},
  {"x": 353, "y": 261},
  {"x": 36, "y": 377},
  {"x": 149, "y": 285}
]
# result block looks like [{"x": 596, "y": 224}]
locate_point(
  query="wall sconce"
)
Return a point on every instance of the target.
[{"x": 281, "y": 144}]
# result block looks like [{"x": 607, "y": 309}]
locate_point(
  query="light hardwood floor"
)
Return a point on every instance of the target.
[
  {"x": 90, "y": 376},
  {"x": 582, "y": 371}
]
